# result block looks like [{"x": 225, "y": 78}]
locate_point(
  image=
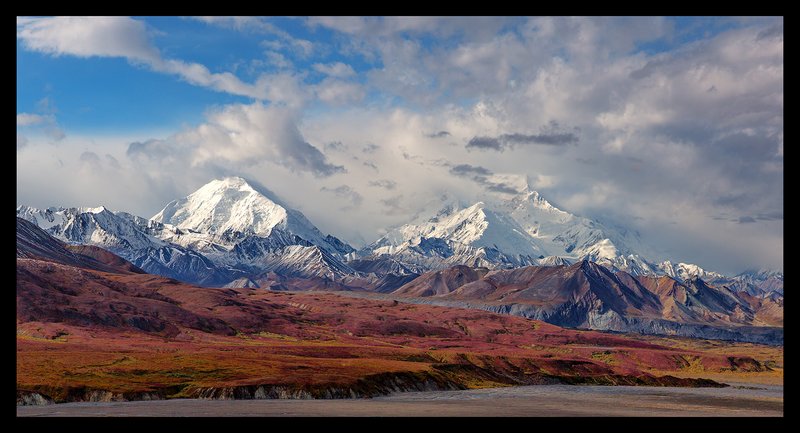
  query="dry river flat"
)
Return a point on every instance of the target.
[{"x": 541, "y": 400}]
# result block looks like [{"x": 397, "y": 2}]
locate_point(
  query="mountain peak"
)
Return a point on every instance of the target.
[
  {"x": 222, "y": 205},
  {"x": 234, "y": 183},
  {"x": 94, "y": 210},
  {"x": 531, "y": 197},
  {"x": 231, "y": 206},
  {"x": 231, "y": 182}
]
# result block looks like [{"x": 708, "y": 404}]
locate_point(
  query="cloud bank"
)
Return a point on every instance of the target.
[{"x": 675, "y": 133}]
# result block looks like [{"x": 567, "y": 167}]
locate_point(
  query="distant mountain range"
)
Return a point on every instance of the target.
[
  {"x": 587, "y": 295},
  {"x": 229, "y": 233}
]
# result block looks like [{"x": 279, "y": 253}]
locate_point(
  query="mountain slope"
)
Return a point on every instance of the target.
[
  {"x": 35, "y": 243},
  {"x": 528, "y": 230},
  {"x": 224, "y": 231},
  {"x": 587, "y": 295},
  {"x": 476, "y": 235},
  {"x": 230, "y": 209},
  {"x": 152, "y": 337},
  {"x": 439, "y": 282}
]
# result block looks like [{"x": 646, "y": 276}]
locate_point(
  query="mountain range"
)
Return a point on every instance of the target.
[
  {"x": 588, "y": 295},
  {"x": 153, "y": 337},
  {"x": 230, "y": 233}
]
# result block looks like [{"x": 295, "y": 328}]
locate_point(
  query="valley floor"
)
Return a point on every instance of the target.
[{"x": 542, "y": 400}]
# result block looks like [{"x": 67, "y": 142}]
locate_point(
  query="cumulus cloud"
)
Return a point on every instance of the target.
[
  {"x": 90, "y": 158},
  {"x": 43, "y": 123},
  {"x": 684, "y": 144},
  {"x": 338, "y": 92},
  {"x": 88, "y": 37},
  {"x": 128, "y": 38},
  {"x": 337, "y": 69},
  {"x": 242, "y": 135}
]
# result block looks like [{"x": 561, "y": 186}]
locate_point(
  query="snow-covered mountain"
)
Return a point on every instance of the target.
[
  {"x": 523, "y": 230},
  {"x": 686, "y": 271},
  {"x": 228, "y": 210},
  {"x": 475, "y": 236},
  {"x": 223, "y": 231},
  {"x": 570, "y": 236},
  {"x": 228, "y": 229},
  {"x": 119, "y": 234},
  {"x": 760, "y": 282}
]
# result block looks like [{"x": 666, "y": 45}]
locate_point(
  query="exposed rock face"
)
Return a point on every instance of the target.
[
  {"x": 30, "y": 398},
  {"x": 442, "y": 378},
  {"x": 586, "y": 295}
]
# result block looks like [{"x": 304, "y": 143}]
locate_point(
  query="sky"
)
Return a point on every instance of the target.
[{"x": 669, "y": 126}]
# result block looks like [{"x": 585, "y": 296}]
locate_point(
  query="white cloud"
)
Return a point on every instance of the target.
[
  {"x": 239, "y": 136},
  {"x": 278, "y": 60},
  {"x": 89, "y": 36},
  {"x": 28, "y": 119},
  {"x": 127, "y": 38},
  {"x": 337, "y": 69},
  {"x": 300, "y": 47},
  {"x": 38, "y": 123},
  {"x": 239, "y": 23},
  {"x": 667, "y": 142},
  {"x": 334, "y": 91}
]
